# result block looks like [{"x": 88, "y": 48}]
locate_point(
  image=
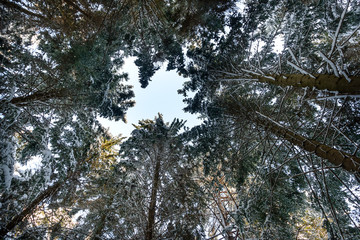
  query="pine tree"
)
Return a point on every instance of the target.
[
  {"x": 168, "y": 196},
  {"x": 236, "y": 86},
  {"x": 66, "y": 151}
]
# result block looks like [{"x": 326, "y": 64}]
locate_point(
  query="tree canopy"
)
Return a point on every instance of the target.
[{"x": 277, "y": 84}]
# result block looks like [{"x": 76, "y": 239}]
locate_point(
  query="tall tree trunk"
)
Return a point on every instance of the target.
[
  {"x": 40, "y": 96},
  {"x": 152, "y": 207},
  {"x": 96, "y": 234},
  {"x": 99, "y": 228},
  {"x": 321, "y": 82},
  {"x": 337, "y": 157},
  {"x": 29, "y": 209},
  {"x": 20, "y": 9},
  {"x": 348, "y": 162}
]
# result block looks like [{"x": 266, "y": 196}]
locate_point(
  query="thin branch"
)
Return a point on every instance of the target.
[
  {"x": 338, "y": 28},
  {"x": 20, "y": 9},
  {"x": 350, "y": 36},
  {"x": 300, "y": 69},
  {"x": 332, "y": 65},
  {"x": 293, "y": 56}
]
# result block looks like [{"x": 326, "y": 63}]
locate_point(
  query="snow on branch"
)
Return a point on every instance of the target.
[
  {"x": 251, "y": 72},
  {"x": 332, "y": 65},
  {"x": 300, "y": 69},
  {"x": 338, "y": 96},
  {"x": 258, "y": 74},
  {"x": 350, "y": 36},
  {"x": 345, "y": 75},
  {"x": 293, "y": 56},
  {"x": 269, "y": 77},
  {"x": 338, "y": 28},
  {"x": 237, "y": 79}
]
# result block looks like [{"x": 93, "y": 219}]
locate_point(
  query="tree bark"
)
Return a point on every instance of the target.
[
  {"x": 322, "y": 81},
  {"x": 337, "y": 157},
  {"x": 96, "y": 234},
  {"x": 29, "y": 209},
  {"x": 20, "y": 9},
  {"x": 39, "y": 96},
  {"x": 99, "y": 228},
  {"x": 149, "y": 233}
]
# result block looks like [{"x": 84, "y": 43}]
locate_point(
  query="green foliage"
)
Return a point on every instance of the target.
[
  {"x": 179, "y": 203},
  {"x": 60, "y": 69}
]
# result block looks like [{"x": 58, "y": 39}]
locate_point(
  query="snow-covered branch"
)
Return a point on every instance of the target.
[
  {"x": 300, "y": 69},
  {"x": 293, "y": 56},
  {"x": 338, "y": 96},
  {"x": 332, "y": 65},
  {"x": 338, "y": 28}
]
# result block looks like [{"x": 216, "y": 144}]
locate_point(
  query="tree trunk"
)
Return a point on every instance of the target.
[
  {"x": 322, "y": 81},
  {"x": 20, "y": 9},
  {"x": 99, "y": 228},
  {"x": 96, "y": 234},
  {"x": 39, "y": 96},
  {"x": 152, "y": 208},
  {"x": 29, "y": 209},
  {"x": 336, "y": 157}
]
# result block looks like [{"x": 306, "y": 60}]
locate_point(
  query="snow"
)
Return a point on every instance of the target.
[
  {"x": 279, "y": 43},
  {"x": 300, "y": 69},
  {"x": 7, "y": 156},
  {"x": 251, "y": 72},
  {"x": 269, "y": 77},
  {"x": 12, "y": 92},
  {"x": 332, "y": 65},
  {"x": 7, "y": 176},
  {"x": 345, "y": 75},
  {"x": 293, "y": 56},
  {"x": 338, "y": 28},
  {"x": 338, "y": 96},
  {"x": 72, "y": 159}
]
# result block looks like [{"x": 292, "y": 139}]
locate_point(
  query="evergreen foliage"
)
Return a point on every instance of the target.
[{"x": 277, "y": 84}]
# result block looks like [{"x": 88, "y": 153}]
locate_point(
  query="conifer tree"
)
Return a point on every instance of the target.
[
  {"x": 166, "y": 193},
  {"x": 236, "y": 81}
]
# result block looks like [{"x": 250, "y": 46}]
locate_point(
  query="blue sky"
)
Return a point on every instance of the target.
[{"x": 160, "y": 96}]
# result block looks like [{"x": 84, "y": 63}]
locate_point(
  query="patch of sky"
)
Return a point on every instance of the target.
[{"x": 159, "y": 97}]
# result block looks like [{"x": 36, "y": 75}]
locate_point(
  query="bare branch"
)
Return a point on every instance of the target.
[{"x": 338, "y": 28}]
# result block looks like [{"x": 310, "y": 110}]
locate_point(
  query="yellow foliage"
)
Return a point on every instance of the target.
[
  {"x": 310, "y": 226},
  {"x": 104, "y": 156}
]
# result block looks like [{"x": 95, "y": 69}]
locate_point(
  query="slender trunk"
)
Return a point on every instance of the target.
[
  {"x": 152, "y": 208},
  {"x": 39, "y": 96},
  {"x": 20, "y": 9},
  {"x": 337, "y": 157},
  {"x": 29, "y": 209},
  {"x": 321, "y": 82},
  {"x": 348, "y": 162},
  {"x": 95, "y": 235},
  {"x": 99, "y": 228},
  {"x": 223, "y": 214}
]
